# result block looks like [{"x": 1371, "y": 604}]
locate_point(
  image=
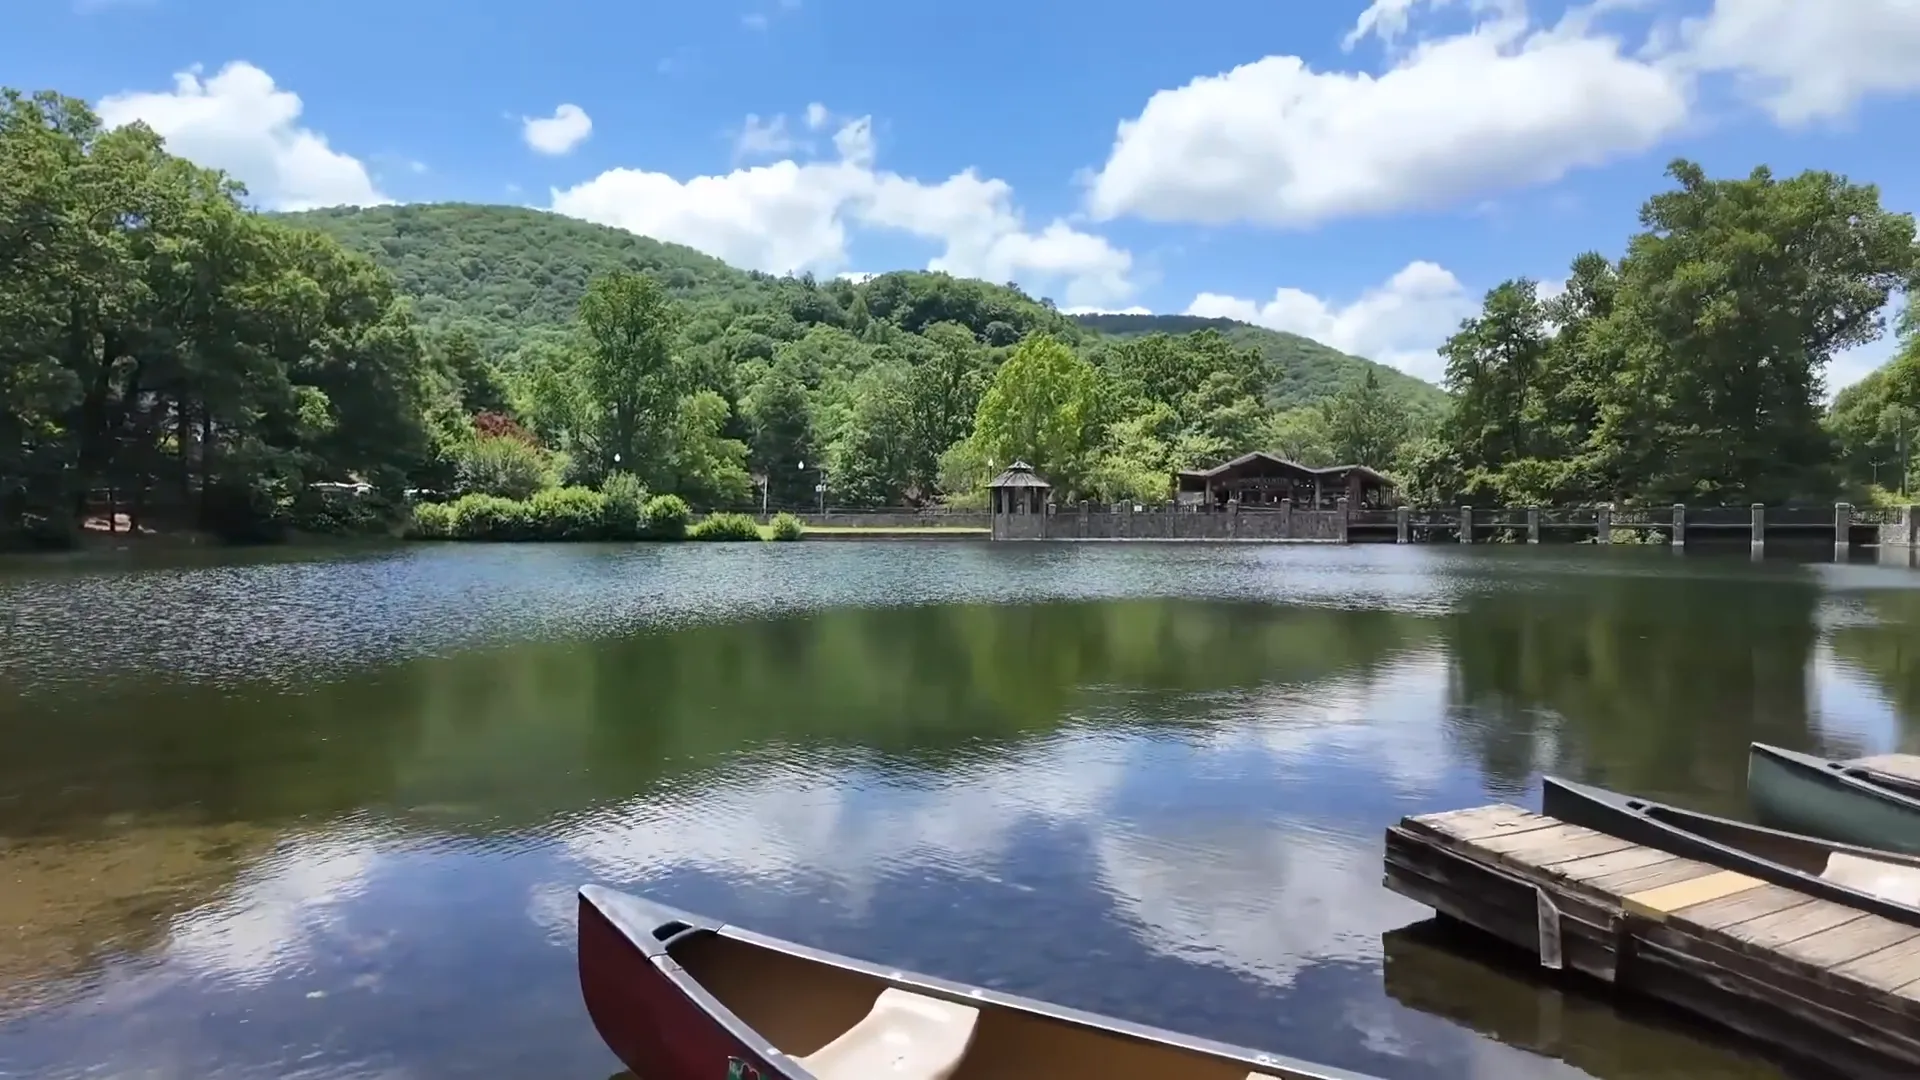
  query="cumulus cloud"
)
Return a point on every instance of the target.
[
  {"x": 793, "y": 216},
  {"x": 1806, "y": 61},
  {"x": 1400, "y": 322},
  {"x": 567, "y": 128},
  {"x": 242, "y": 123},
  {"x": 1500, "y": 105},
  {"x": 817, "y": 116}
]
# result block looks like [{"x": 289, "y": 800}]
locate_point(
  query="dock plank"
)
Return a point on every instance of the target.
[
  {"x": 1815, "y": 977},
  {"x": 1904, "y": 766},
  {"x": 1830, "y": 949}
]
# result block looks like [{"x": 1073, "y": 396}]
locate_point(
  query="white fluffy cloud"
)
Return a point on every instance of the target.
[
  {"x": 567, "y": 128},
  {"x": 1806, "y": 60},
  {"x": 759, "y": 138},
  {"x": 239, "y": 121},
  {"x": 1400, "y": 322},
  {"x": 1275, "y": 141},
  {"x": 791, "y": 215}
]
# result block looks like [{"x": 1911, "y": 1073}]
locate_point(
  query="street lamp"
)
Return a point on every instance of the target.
[{"x": 820, "y": 487}]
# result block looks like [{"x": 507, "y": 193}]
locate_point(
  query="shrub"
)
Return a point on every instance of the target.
[
  {"x": 786, "y": 527},
  {"x": 666, "y": 517},
  {"x": 431, "y": 521},
  {"x": 490, "y": 517},
  {"x": 568, "y": 513},
  {"x": 726, "y": 527},
  {"x": 502, "y": 465},
  {"x": 624, "y": 515}
]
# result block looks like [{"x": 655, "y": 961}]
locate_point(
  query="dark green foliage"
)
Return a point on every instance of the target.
[
  {"x": 667, "y": 517},
  {"x": 726, "y": 527},
  {"x": 786, "y": 527}
]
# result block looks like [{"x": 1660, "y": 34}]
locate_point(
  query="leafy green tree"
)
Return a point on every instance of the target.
[
  {"x": 1365, "y": 425},
  {"x": 779, "y": 420},
  {"x": 627, "y": 371},
  {"x": 1043, "y": 406}
]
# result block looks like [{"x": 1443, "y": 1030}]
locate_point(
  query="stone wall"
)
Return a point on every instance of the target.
[
  {"x": 1088, "y": 522},
  {"x": 893, "y": 519}
]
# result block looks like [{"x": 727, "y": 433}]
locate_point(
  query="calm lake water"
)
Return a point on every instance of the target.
[{"x": 281, "y": 814}]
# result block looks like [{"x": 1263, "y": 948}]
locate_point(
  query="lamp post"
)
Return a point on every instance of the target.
[{"x": 821, "y": 487}]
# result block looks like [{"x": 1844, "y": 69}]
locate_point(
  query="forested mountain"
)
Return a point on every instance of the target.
[{"x": 506, "y": 271}]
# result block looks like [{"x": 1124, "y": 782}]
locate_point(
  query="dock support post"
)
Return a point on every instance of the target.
[
  {"x": 1340, "y": 507},
  {"x": 1083, "y": 521},
  {"x": 1679, "y": 525},
  {"x": 1759, "y": 526},
  {"x": 1466, "y": 524},
  {"x": 1403, "y": 524},
  {"x": 1842, "y": 526},
  {"x": 1533, "y": 524},
  {"x": 1286, "y": 518},
  {"x": 1603, "y": 523},
  {"x": 1233, "y": 517},
  {"x": 1909, "y": 521}
]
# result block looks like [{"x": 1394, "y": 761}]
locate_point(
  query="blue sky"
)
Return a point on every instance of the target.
[{"x": 1357, "y": 172}]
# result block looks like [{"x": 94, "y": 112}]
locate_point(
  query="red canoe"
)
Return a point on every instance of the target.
[{"x": 678, "y": 997}]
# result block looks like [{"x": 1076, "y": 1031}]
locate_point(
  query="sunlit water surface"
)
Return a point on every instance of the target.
[{"x": 285, "y": 814}]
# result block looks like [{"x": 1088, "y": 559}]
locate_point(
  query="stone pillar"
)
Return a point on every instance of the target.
[
  {"x": 1533, "y": 524},
  {"x": 1403, "y": 525},
  {"x": 1679, "y": 529},
  {"x": 1759, "y": 538},
  {"x": 1083, "y": 520},
  {"x": 1603, "y": 523},
  {"x": 1466, "y": 524},
  {"x": 1842, "y": 525},
  {"x": 1340, "y": 525},
  {"x": 1910, "y": 520},
  {"x": 1233, "y": 518},
  {"x": 1172, "y": 524},
  {"x": 1286, "y": 519}
]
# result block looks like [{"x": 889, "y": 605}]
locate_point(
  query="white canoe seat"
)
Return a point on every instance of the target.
[
  {"x": 1895, "y": 882},
  {"x": 904, "y": 1037}
]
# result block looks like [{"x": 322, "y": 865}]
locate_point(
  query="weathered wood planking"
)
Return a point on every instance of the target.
[
  {"x": 1904, "y": 766},
  {"x": 1815, "y": 978}
]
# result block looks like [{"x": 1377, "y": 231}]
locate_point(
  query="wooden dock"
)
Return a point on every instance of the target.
[{"x": 1817, "y": 980}]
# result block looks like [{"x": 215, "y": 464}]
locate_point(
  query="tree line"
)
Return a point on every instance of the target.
[{"x": 169, "y": 358}]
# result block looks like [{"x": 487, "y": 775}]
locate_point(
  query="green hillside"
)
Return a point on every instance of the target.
[
  {"x": 1304, "y": 371},
  {"x": 509, "y": 271}
]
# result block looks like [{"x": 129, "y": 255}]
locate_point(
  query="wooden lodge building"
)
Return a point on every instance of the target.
[{"x": 1263, "y": 479}]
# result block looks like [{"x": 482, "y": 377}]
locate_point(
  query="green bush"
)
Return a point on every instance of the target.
[
  {"x": 786, "y": 527},
  {"x": 625, "y": 514},
  {"x": 666, "y": 517},
  {"x": 726, "y": 527},
  {"x": 568, "y": 513},
  {"x": 490, "y": 517},
  {"x": 504, "y": 466},
  {"x": 432, "y": 521}
]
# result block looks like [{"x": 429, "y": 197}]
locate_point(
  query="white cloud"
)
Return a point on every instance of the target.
[
  {"x": 1401, "y": 322},
  {"x": 763, "y": 138},
  {"x": 567, "y": 128},
  {"x": 1503, "y": 104},
  {"x": 1094, "y": 309},
  {"x": 240, "y": 122},
  {"x": 278, "y": 910},
  {"x": 817, "y": 116},
  {"x": 792, "y": 216},
  {"x": 1805, "y": 60}
]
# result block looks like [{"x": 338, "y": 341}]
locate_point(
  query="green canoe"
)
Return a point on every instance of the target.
[{"x": 1837, "y": 800}]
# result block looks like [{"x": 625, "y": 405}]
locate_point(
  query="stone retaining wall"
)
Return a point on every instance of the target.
[{"x": 1087, "y": 522}]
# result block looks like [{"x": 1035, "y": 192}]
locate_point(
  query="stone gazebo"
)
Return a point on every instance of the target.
[{"x": 1018, "y": 500}]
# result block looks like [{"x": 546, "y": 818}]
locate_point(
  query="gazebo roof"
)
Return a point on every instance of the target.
[{"x": 1018, "y": 475}]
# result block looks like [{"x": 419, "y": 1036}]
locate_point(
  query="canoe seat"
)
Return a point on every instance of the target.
[
  {"x": 904, "y": 1037},
  {"x": 1894, "y": 882}
]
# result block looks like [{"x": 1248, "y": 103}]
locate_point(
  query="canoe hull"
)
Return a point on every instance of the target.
[
  {"x": 1780, "y": 858},
  {"x": 1830, "y": 799},
  {"x": 653, "y": 1021},
  {"x": 638, "y": 966}
]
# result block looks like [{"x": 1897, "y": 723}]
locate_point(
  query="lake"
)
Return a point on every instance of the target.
[{"x": 282, "y": 813}]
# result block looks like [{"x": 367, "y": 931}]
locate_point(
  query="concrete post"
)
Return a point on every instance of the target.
[
  {"x": 1286, "y": 519},
  {"x": 1533, "y": 524},
  {"x": 1403, "y": 525},
  {"x": 1603, "y": 523},
  {"x": 1171, "y": 523},
  {"x": 1910, "y": 518},
  {"x": 1759, "y": 525},
  {"x": 1083, "y": 519},
  {"x": 1842, "y": 525},
  {"x": 1679, "y": 525},
  {"x": 1466, "y": 524},
  {"x": 1340, "y": 508},
  {"x": 1233, "y": 518}
]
